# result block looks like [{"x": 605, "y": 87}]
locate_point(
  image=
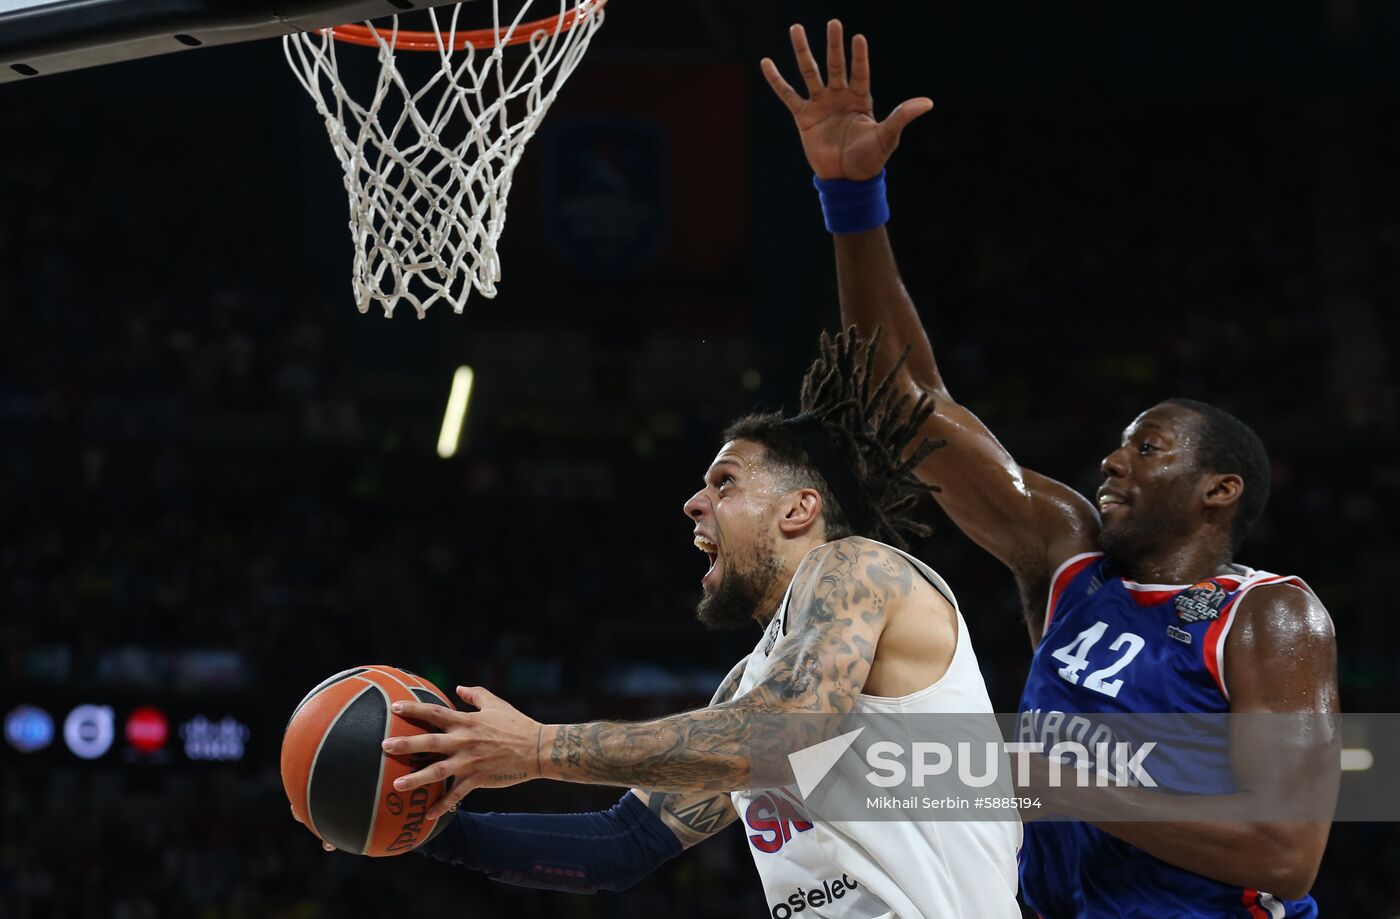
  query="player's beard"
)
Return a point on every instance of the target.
[
  {"x": 1127, "y": 542},
  {"x": 735, "y": 602},
  {"x": 1154, "y": 524}
]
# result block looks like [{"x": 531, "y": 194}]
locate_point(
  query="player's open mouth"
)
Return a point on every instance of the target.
[{"x": 706, "y": 545}]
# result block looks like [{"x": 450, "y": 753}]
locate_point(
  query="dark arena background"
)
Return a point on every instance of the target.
[{"x": 219, "y": 484}]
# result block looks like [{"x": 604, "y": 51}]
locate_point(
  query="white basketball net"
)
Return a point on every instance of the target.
[{"x": 425, "y": 212}]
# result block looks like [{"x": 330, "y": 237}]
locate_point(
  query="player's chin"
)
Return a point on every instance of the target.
[
  {"x": 1114, "y": 517},
  {"x": 1118, "y": 538},
  {"x": 1109, "y": 531}
]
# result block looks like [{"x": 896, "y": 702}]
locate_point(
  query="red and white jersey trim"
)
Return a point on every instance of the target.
[
  {"x": 1060, "y": 580},
  {"x": 1153, "y": 594},
  {"x": 1263, "y": 905},
  {"x": 1213, "y": 650}
]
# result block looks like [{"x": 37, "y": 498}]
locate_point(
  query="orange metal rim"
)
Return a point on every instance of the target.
[{"x": 369, "y": 36}]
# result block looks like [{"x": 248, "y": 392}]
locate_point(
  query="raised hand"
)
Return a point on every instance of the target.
[{"x": 837, "y": 123}]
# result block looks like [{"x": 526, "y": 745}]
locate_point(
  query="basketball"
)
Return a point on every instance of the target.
[{"x": 337, "y": 776}]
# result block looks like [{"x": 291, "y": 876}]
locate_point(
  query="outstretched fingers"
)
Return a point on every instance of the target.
[
  {"x": 860, "y": 66},
  {"x": 806, "y": 63},
  {"x": 781, "y": 87},
  {"x": 835, "y": 55},
  {"x": 894, "y": 124}
]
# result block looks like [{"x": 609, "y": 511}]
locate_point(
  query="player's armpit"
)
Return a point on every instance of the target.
[
  {"x": 1029, "y": 521},
  {"x": 692, "y": 817},
  {"x": 1012, "y": 512}
]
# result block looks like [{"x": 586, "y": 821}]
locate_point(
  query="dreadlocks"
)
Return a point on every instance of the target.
[{"x": 871, "y": 428}]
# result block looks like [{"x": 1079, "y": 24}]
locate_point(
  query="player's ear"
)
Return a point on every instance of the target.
[
  {"x": 802, "y": 511},
  {"x": 1223, "y": 490}
]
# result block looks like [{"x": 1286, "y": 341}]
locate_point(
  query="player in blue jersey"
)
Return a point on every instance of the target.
[{"x": 1134, "y": 601}]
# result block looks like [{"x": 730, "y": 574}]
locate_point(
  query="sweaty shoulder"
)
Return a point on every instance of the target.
[
  {"x": 1282, "y": 652},
  {"x": 1068, "y": 527},
  {"x": 1068, "y": 521}
]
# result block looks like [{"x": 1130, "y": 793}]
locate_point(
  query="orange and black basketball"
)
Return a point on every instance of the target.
[{"x": 336, "y": 773}]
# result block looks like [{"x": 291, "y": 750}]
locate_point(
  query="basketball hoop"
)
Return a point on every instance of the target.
[{"x": 428, "y": 175}]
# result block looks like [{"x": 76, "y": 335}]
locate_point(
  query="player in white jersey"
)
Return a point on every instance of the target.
[
  {"x": 852, "y": 627},
  {"x": 896, "y": 867}
]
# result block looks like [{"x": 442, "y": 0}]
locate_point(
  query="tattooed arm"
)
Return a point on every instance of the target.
[
  {"x": 696, "y": 817},
  {"x": 584, "y": 853},
  {"x": 841, "y": 599},
  {"x": 838, "y": 609}
]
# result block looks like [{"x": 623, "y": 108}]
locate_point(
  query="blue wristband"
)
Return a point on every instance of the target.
[{"x": 853, "y": 207}]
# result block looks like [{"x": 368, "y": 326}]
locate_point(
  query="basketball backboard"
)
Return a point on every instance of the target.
[{"x": 39, "y": 37}]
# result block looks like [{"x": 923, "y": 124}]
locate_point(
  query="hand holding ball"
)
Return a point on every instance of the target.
[{"x": 337, "y": 776}]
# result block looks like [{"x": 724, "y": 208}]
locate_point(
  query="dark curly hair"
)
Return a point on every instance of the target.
[
  {"x": 1228, "y": 445},
  {"x": 873, "y": 428}
]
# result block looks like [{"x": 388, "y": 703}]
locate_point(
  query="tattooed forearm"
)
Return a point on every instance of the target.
[
  {"x": 693, "y": 818},
  {"x": 839, "y": 603},
  {"x": 508, "y": 776},
  {"x": 704, "y": 750},
  {"x": 656, "y": 802}
]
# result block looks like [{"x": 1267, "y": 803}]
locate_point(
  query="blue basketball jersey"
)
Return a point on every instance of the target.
[{"x": 1113, "y": 646}]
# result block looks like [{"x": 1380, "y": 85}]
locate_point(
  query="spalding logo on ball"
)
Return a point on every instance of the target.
[{"x": 337, "y": 775}]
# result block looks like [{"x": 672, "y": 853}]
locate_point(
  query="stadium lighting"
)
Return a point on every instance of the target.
[
  {"x": 1356, "y": 759},
  {"x": 451, "y": 435}
]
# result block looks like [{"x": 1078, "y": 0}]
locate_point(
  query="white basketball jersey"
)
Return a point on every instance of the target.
[{"x": 911, "y": 869}]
